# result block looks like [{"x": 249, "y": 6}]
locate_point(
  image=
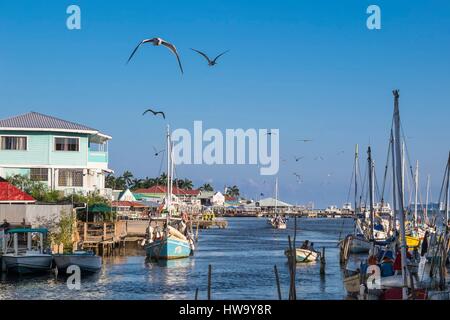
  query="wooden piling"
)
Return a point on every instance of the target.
[
  {"x": 292, "y": 270},
  {"x": 322, "y": 262},
  {"x": 196, "y": 294},
  {"x": 277, "y": 279},
  {"x": 209, "y": 281}
]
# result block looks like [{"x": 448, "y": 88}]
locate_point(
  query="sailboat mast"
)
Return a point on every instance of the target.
[
  {"x": 400, "y": 193},
  {"x": 427, "y": 199},
  {"x": 371, "y": 187},
  {"x": 403, "y": 170},
  {"x": 448, "y": 192},
  {"x": 168, "y": 195},
  {"x": 356, "y": 179},
  {"x": 394, "y": 194},
  {"x": 276, "y": 195},
  {"x": 416, "y": 191}
]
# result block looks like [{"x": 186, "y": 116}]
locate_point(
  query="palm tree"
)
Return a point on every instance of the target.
[
  {"x": 110, "y": 181},
  {"x": 128, "y": 178},
  {"x": 233, "y": 191},
  {"x": 206, "y": 187}
]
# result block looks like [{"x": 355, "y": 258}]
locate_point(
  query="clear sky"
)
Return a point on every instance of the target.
[{"x": 310, "y": 68}]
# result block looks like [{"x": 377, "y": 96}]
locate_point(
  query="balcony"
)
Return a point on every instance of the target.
[{"x": 98, "y": 156}]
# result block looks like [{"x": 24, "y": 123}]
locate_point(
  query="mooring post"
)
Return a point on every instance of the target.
[
  {"x": 322, "y": 262},
  {"x": 196, "y": 294},
  {"x": 277, "y": 279},
  {"x": 209, "y": 282}
]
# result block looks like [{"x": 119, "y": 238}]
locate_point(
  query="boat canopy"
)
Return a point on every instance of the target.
[{"x": 27, "y": 230}]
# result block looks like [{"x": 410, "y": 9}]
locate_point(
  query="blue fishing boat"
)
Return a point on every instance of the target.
[
  {"x": 169, "y": 248},
  {"x": 167, "y": 237}
]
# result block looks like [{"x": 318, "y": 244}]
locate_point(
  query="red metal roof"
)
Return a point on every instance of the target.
[
  {"x": 128, "y": 204},
  {"x": 162, "y": 190},
  {"x": 9, "y": 193}
]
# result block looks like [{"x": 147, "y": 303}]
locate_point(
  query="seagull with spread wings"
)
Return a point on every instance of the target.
[
  {"x": 212, "y": 62},
  {"x": 157, "y": 153},
  {"x": 158, "y": 42},
  {"x": 155, "y": 113}
]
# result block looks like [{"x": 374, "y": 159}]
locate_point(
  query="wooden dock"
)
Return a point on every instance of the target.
[{"x": 207, "y": 224}]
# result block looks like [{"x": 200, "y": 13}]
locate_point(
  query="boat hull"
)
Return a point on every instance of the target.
[
  {"x": 304, "y": 255},
  {"x": 168, "y": 249},
  {"x": 86, "y": 263},
  {"x": 27, "y": 263},
  {"x": 359, "y": 245}
]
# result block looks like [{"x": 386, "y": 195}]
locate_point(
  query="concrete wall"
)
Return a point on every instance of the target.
[{"x": 15, "y": 213}]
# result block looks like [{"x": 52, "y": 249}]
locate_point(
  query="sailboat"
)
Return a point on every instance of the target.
[
  {"x": 168, "y": 242},
  {"x": 278, "y": 222},
  {"x": 358, "y": 242}
]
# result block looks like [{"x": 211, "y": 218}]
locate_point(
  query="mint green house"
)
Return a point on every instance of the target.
[{"x": 64, "y": 155}]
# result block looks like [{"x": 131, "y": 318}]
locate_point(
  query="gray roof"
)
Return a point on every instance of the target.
[
  {"x": 271, "y": 202},
  {"x": 206, "y": 194},
  {"x": 34, "y": 120}
]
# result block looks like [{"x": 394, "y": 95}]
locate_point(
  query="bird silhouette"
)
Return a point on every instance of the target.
[
  {"x": 158, "y": 42},
  {"x": 212, "y": 62},
  {"x": 270, "y": 133},
  {"x": 155, "y": 113},
  {"x": 297, "y": 159},
  {"x": 305, "y": 140},
  {"x": 157, "y": 153}
]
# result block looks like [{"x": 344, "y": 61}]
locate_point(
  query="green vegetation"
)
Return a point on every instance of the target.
[
  {"x": 128, "y": 181},
  {"x": 42, "y": 193}
]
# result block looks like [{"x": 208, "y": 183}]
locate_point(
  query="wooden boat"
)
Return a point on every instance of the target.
[
  {"x": 86, "y": 261},
  {"x": 352, "y": 283},
  {"x": 412, "y": 242},
  {"x": 167, "y": 243},
  {"x": 29, "y": 260},
  {"x": 359, "y": 244},
  {"x": 304, "y": 255}
]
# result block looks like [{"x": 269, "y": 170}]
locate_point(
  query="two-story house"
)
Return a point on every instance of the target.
[{"x": 61, "y": 154}]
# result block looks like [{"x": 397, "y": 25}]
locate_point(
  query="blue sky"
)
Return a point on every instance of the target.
[{"x": 310, "y": 68}]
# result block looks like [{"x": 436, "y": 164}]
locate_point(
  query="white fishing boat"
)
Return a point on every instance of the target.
[
  {"x": 359, "y": 244},
  {"x": 30, "y": 259},
  {"x": 85, "y": 260},
  {"x": 305, "y": 255},
  {"x": 352, "y": 283}
]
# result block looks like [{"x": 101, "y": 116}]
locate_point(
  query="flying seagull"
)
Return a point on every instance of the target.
[
  {"x": 297, "y": 159},
  {"x": 155, "y": 113},
  {"x": 305, "y": 140},
  {"x": 270, "y": 133},
  {"x": 158, "y": 42},
  {"x": 213, "y": 62},
  {"x": 157, "y": 153}
]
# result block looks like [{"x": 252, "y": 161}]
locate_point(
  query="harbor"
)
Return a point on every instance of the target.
[{"x": 207, "y": 151}]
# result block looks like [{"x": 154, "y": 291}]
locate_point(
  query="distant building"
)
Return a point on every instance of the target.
[
  {"x": 211, "y": 198},
  {"x": 160, "y": 192},
  {"x": 63, "y": 155}
]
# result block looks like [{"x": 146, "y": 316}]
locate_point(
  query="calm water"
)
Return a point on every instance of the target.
[{"x": 242, "y": 259}]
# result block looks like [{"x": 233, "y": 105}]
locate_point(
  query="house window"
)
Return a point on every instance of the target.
[
  {"x": 39, "y": 174},
  {"x": 14, "y": 143},
  {"x": 67, "y": 144},
  {"x": 70, "y": 178}
]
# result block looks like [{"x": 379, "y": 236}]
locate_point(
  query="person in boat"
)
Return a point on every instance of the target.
[
  {"x": 5, "y": 225},
  {"x": 305, "y": 245},
  {"x": 311, "y": 247}
]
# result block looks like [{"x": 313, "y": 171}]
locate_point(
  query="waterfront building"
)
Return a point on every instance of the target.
[{"x": 63, "y": 155}]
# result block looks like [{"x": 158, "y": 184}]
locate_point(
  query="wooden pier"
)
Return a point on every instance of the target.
[{"x": 207, "y": 224}]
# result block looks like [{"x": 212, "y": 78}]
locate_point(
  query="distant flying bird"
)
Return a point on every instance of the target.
[
  {"x": 157, "y": 153},
  {"x": 270, "y": 133},
  {"x": 318, "y": 158},
  {"x": 158, "y": 42},
  {"x": 297, "y": 159},
  {"x": 299, "y": 177},
  {"x": 305, "y": 140},
  {"x": 341, "y": 152},
  {"x": 213, "y": 62},
  {"x": 155, "y": 113}
]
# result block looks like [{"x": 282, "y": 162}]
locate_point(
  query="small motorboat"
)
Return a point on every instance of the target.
[
  {"x": 304, "y": 255},
  {"x": 352, "y": 282},
  {"x": 29, "y": 259},
  {"x": 87, "y": 261}
]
